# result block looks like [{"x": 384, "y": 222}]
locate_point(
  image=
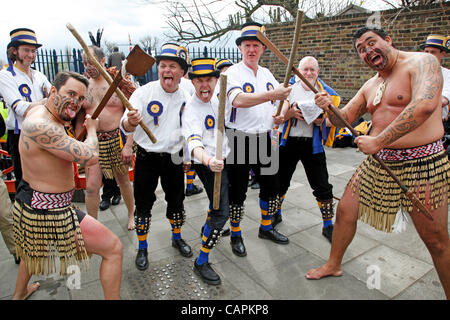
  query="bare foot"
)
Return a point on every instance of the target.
[
  {"x": 30, "y": 290},
  {"x": 131, "y": 225},
  {"x": 323, "y": 271}
]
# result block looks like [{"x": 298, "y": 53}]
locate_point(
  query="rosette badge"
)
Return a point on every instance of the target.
[
  {"x": 210, "y": 122},
  {"x": 155, "y": 109}
]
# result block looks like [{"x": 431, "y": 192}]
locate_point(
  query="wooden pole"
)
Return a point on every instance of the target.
[{"x": 219, "y": 139}]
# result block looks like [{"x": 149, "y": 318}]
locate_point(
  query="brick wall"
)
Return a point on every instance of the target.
[{"x": 330, "y": 41}]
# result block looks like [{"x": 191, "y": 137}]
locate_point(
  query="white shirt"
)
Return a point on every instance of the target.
[
  {"x": 19, "y": 91},
  {"x": 165, "y": 124},
  {"x": 300, "y": 95},
  {"x": 200, "y": 127},
  {"x": 257, "y": 118},
  {"x": 187, "y": 85},
  {"x": 446, "y": 89}
]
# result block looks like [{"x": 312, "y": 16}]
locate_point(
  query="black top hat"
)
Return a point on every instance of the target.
[
  {"x": 23, "y": 36},
  {"x": 175, "y": 52},
  {"x": 437, "y": 41},
  {"x": 249, "y": 30}
]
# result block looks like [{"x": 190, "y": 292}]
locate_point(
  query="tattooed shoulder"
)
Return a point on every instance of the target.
[{"x": 53, "y": 138}]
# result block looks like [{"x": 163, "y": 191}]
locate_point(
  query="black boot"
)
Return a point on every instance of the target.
[
  {"x": 194, "y": 190},
  {"x": 237, "y": 246},
  {"x": 207, "y": 273},
  {"x": 141, "y": 259},
  {"x": 273, "y": 235},
  {"x": 184, "y": 249},
  {"x": 104, "y": 204}
]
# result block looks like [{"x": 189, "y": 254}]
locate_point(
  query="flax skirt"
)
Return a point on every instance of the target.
[{"x": 380, "y": 197}]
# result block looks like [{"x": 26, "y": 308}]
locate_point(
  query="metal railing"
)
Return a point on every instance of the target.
[{"x": 51, "y": 61}]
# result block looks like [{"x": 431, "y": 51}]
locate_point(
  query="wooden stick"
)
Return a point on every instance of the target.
[
  {"x": 102, "y": 104},
  {"x": 292, "y": 56},
  {"x": 424, "y": 210},
  {"x": 108, "y": 79},
  {"x": 219, "y": 139}
]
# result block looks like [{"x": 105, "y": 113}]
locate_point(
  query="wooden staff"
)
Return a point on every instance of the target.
[
  {"x": 219, "y": 139},
  {"x": 337, "y": 113},
  {"x": 108, "y": 79},
  {"x": 292, "y": 56}
]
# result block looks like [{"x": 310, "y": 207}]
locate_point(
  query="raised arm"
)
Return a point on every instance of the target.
[{"x": 354, "y": 109}]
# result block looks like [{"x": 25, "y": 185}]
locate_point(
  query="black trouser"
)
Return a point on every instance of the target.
[
  {"x": 251, "y": 151},
  {"x": 300, "y": 149},
  {"x": 13, "y": 150},
  {"x": 110, "y": 189},
  {"x": 217, "y": 217},
  {"x": 149, "y": 167}
]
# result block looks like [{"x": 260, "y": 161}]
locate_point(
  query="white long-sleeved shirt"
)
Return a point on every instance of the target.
[
  {"x": 200, "y": 127},
  {"x": 166, "y": 127},
  {"x": 19, "y": 91},
  {"x": 258, "y": 118}
]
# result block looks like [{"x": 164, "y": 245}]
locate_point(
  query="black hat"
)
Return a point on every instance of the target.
[
  {"x": 249, "y": 30},
  {"x": 175, "y": 52},
  {"x": 437, "y": 41},
  {"x": 204, "y": 67},
  {"x": 223, "y": 63},
  {"x": 23, "y": 36}
]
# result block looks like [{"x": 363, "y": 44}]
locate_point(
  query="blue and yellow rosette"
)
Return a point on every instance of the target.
[
  {"x": 155, "y": 109},
  {"x": 248, "y": 88},
  {"x": 25, "y": 91},
  {"x": 210, "y": 122}
]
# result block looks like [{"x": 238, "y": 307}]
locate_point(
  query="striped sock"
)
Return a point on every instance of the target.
[
  {"x": 266, "y": 221},
  {"x": 235, "y": 228},
  {"x": 204, "y": 252},
  {"x": 190, "y": 176},
  {"x": 176, "y": 232}
]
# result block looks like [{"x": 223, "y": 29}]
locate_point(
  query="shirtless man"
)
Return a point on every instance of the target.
[
  {"x": 46, "y": 191},
  {"x": 404, "y": 99},
  {"x": 114, "y": 161}
]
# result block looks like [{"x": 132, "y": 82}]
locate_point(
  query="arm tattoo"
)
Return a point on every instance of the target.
[
  {"x": 53, "y": 137},
  {"x": 426, "y": 83}
]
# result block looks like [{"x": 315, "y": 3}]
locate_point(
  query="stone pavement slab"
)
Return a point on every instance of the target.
[{"x": 269, "y": 271}]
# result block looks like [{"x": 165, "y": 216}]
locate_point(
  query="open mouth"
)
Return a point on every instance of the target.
[{"x": 205, "y": 93}]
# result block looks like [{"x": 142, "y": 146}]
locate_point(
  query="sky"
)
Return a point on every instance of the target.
[
  {"x": 118, "y": 18},
  {"x": 48, "y": 18}
]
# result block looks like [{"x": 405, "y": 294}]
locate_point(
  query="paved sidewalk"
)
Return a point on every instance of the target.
[{"x": 269, "y": 271}]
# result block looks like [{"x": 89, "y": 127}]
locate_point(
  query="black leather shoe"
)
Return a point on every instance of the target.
[
  {"x": 116, "y": 200},
  {"x": 207, "y": 273},
  {"x": 141, "y": 259},
  {"x": 237, "y": 246},
  {"x": 183, "y": 247},
  {"x": 276, "y": 219},
  {"x": 104, "y": 204},
  {"x": 194, "y": 190},
  {"x": 226, "y": 232},
  {"x": 328, "y": 232},
  {"x": 273, "y": 235}
]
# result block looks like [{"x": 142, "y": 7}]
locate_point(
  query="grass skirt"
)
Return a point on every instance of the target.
[
  {"x": 42, "y": 236},
  {"x": 380, "y": 197}
]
